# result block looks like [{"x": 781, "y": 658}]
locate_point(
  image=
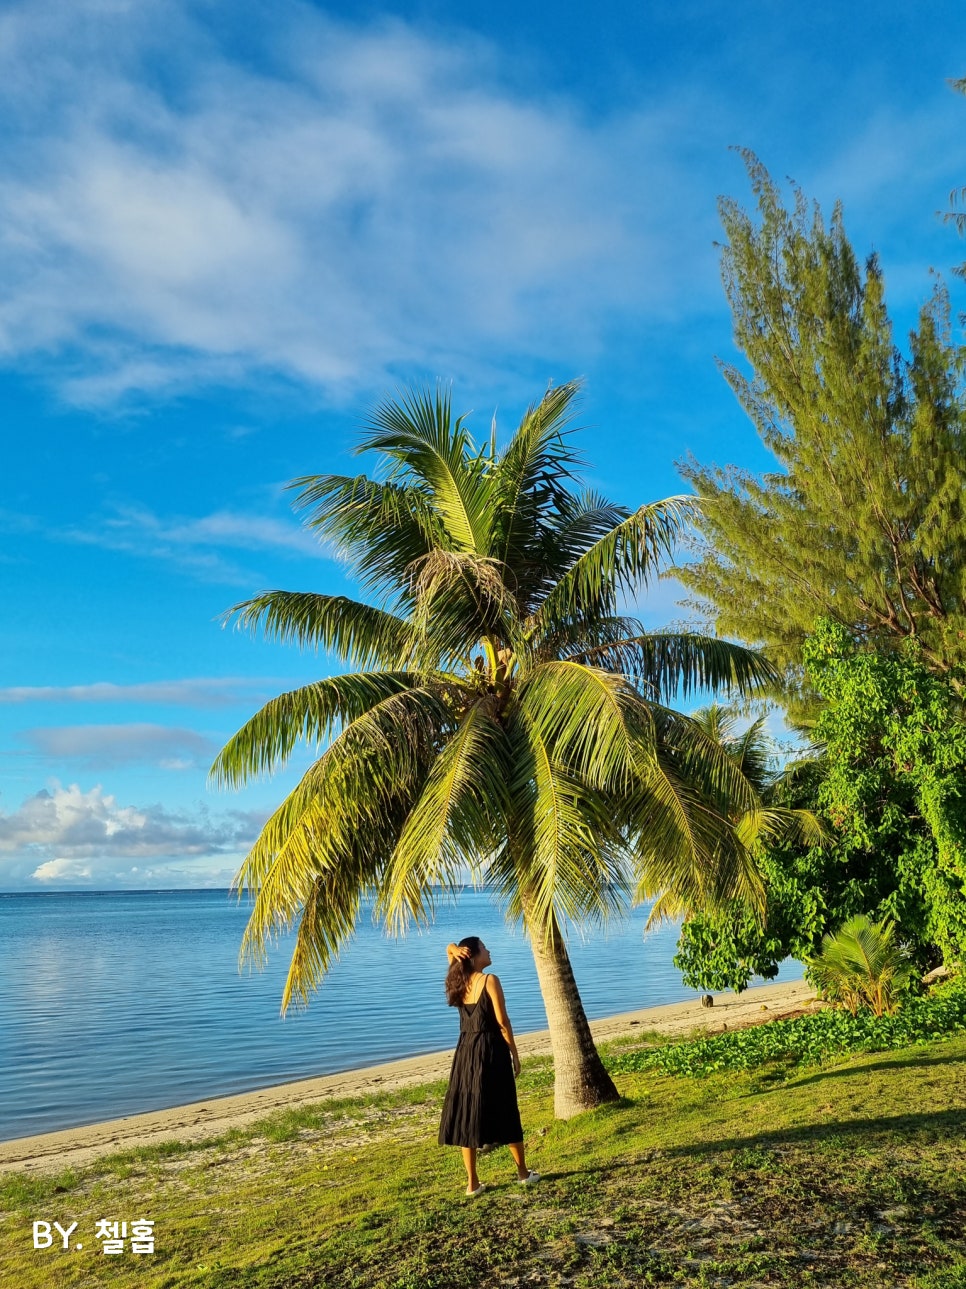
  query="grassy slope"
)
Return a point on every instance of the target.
[{"x": 852, "y": 1174}]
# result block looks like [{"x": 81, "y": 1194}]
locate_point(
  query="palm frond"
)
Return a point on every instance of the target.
[
  {"x": 703, "y": 762},
  {"x": 316, "y": 881},
  {"x": 686, "y": 849},
  {"x": 750, "y": 749},
  {"x": 861, "y": 964},
  {"x": 350, "y": 870},
  {"x": 415, "y": 431},
  {"x": 753, "y": 755},
  {"x": 457, "y": 819},
  {"x": 585, "y": 640},
  {"x": 667, "y": 782},
  {"x": 667, "y": 664},
  {"x": 595, "y": 722},
  {"x": 359, "y": 633},
  {"x": 339, "y": 827},
  {"x": 531, "y": 473},
  {"x": 572, "y": 860},
  {"x": 379, "y": 528},
  {"x": 667, "y": 907},
  {"x": 623, "y": 559},
  {"x": 579, "y": 522},
  {"x": 309, "y": 714},
  {"x": 325, "y": 925},
  {"x": 718, "y": 722},
  {"x": 691, "y": 854},
  {"x": 378, "y": 760},
  {"x": 298, "y": 811},
  {"x": 774, "y": 824},
  {"x": 750, "y": 752},
  {"x": 287, "y": 872}
]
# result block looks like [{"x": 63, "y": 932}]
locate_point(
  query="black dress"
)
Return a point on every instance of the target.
[{"x": 480, "y": 1108}]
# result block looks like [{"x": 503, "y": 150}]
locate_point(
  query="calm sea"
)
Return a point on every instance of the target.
[{"x": 123, "y": 1002}]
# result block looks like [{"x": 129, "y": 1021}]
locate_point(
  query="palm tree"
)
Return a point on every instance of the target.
[{"x": 504, "y": 717}]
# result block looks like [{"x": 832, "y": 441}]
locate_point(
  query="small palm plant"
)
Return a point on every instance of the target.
[{"x": 861, "y": 965}]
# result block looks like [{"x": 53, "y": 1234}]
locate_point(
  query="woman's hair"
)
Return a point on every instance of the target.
[{"x": 460, "y": 971}]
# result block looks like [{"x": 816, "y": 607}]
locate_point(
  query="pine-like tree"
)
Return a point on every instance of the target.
[{"x": 863, "y": 522}]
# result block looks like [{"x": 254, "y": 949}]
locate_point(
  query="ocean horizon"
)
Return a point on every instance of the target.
[{"x": 122, "y": 1002}]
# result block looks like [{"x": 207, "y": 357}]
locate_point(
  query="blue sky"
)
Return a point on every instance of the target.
[{"x": 228, "y": 229}]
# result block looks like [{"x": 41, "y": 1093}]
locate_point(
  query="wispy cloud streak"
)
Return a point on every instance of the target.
[
  {"x": 201, "y": 692},
  {"x": 98, "y": 747}
]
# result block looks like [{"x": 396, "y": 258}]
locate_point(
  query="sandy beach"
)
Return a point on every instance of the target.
[{"x": 53, "y": 1151}]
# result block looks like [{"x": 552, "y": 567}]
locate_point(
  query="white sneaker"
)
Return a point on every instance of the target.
[{"x": 531, "y": 1179}]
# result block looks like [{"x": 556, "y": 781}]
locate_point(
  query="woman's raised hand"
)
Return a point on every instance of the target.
[{"x": 457, "y": 951}]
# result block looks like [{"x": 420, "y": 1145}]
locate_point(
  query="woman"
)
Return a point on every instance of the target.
[{"x": 481, "y": 1102}]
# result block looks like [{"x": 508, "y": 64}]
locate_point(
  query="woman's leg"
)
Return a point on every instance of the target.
[
  {"x": 516, "y": 1150},
  {"x": 469, "y": 1159}
]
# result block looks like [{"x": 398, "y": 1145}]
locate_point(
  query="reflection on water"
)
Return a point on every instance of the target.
[{"x": 123, "y": 1002}]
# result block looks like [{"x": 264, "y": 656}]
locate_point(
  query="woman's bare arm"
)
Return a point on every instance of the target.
[{"x": 492, "y": 984}]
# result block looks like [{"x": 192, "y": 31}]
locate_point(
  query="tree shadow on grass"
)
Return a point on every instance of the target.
[
  {"x": 819, "y": 1076},
  {"x": 943, "y": 1124}
]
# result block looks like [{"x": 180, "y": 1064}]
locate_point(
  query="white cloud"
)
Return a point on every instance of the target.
[
  {"x": 68, "y": 835},
  {"x": 204, "y": 691},
  {"x": 370, "y": 198},
  {"x": 885, "y": 158},
  {"x": 71, "y": 871},
  {"x": 107, "y": 746},
  {"x": 137, "y": 528},
  {"x": 196, "y": 545}
]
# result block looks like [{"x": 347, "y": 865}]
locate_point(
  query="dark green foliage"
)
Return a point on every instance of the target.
[
  {"x": 810, "y": 1039},
  {"x": 895, "y": 771},
  {"x": 725, "y": 950},
  {"x": 861, "y": 526},
  {"x": 891, "y": 786},
  {"x": 863, "y": 520}
]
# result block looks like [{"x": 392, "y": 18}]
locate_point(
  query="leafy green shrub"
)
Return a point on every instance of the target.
[
  {"x": 811, "y": 1039},
  {"x": 888, "y": 785}
]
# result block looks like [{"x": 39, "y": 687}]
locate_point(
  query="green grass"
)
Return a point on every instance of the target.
[{"x": 848, "y": 1174}]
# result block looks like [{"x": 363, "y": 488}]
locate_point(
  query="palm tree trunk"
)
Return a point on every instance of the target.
[{"x": 580, "y": 1080}]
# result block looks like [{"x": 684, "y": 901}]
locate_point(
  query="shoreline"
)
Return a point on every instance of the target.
[{"x": 199, "y": 1120}]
